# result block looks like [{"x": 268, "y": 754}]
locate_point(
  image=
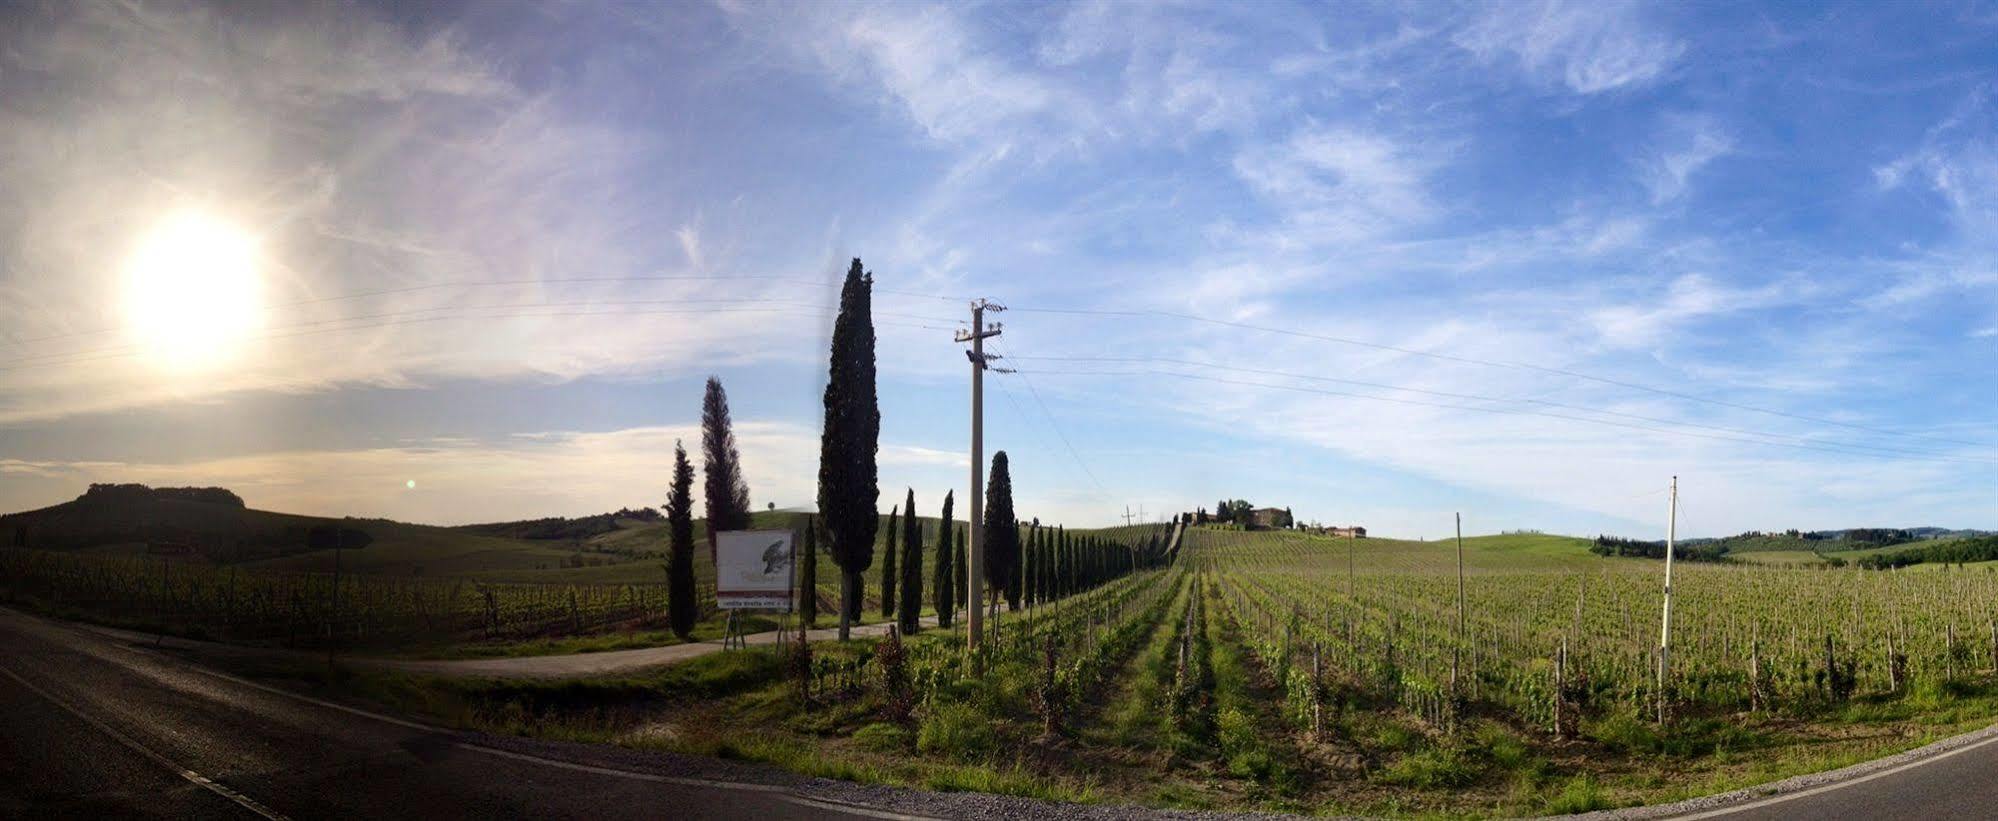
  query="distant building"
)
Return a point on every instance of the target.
[
  {"x": 1267, "y": 518},
  {"x": 1354, "y": 532}
]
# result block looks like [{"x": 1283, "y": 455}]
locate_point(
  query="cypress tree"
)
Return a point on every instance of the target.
[
  {"x": 1026, "y": 574},
  {"x": 1001, "y": 541},
  {"x": 848, "y": 483},
  {"x": 808, "y": 575},
  {"x": 1064, "y": 567},
  {"x": 910, "y": 606},
  {"x": 961, "y": 580},
  {"x": 944, "y": 586},
  {"x": 1042, "y": 563},
  {"x": 722, "y": 487},
  {"x": 888, "y": 576},
  {"x": 681, "y": 609}
]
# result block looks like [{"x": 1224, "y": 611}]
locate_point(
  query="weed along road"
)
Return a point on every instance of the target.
[{"x": 100, "y": 728}]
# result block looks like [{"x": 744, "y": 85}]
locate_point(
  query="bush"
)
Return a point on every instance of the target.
[
  {"x": 957, "y": 731},
  {"x": 882, "y": 738}
]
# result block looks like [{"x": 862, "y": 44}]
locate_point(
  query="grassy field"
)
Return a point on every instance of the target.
[{"x": 1292, "y": 672}]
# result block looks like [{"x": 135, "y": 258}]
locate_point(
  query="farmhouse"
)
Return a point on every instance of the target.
[
  {"x": 1265, "y": 518},
  {"x": 1354, "y": 532}
]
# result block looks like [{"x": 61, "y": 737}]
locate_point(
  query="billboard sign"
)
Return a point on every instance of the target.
[{"x": 754, "y": 569}]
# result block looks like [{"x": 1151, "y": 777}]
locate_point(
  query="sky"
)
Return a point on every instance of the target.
[{"x": 1378, "y": 263}]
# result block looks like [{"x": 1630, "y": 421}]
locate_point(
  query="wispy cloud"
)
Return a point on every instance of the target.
[
  {"x": 1686, "y": 145},
  {"x": 1589, "y": 47}
]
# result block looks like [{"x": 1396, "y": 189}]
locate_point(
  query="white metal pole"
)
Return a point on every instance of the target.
[
  {"x": 1456, "y": 653},
  {"x": 1665, "y": 620}
]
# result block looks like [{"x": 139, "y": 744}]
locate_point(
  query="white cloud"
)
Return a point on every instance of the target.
[
  {"x": 1688, "y": 144},
  {"x": 1590, "y": 47},
  {"x": 1689, "y": 298},
  {"x": 1341, "y": 183}
]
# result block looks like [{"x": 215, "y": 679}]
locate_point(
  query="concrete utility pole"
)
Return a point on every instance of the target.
[
  {"x": 1665, "y": 625},
  {"x": 975, "y": 622},
  {"x": 1127, "y": 515}
]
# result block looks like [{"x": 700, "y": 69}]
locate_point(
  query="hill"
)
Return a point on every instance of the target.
[
  {"x": 219, "y": 528},
  {"x": 560, "y": 528}
]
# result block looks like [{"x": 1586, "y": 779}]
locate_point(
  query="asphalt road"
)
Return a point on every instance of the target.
[
  {"x": 1959, "y": 784},
  {"x": 94, "y": 728}
]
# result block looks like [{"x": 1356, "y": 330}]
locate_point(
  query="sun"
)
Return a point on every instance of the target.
[{"x": 193, "y": 294}]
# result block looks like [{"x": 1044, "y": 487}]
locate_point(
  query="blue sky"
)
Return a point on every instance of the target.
[{"x": 1534, "y": 258}]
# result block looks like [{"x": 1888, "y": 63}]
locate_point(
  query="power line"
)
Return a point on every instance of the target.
[
  {"x": 1494, "y": 364},
  {"x": 1505, "y": 411},
  {"x": 1478, "y": 398},
  {"x": 1056, "y": 424}
]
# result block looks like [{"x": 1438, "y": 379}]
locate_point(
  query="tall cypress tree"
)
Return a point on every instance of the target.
[
  {"x": 962, "y": 578},
  {"x": 910, "y": 606},
  {"x": 1002, "y": 533},
  {"x": 1038, "y": 567},
  {"x": 944, "y": 585},
  {"x": 722, "y": 487},
  {"x": 681, "y": 609},
  {"x": 848, "y": 484},
  {"x": 808, "y": 575},
  {"x": 888, "y": 576}
]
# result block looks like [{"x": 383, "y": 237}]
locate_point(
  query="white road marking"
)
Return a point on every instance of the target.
[
  {"x": 196, "y": 778},
  {"x": 1836, "y": 785}
]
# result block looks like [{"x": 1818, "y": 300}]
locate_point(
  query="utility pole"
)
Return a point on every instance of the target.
[
  {"x": 1665, "y": 625},
  {"x": 1127, "y": 515},
  {"x": 976, "y": 566}
]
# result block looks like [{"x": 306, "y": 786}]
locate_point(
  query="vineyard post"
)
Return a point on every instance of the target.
[
  {"x": 1665, "y": 620},
  {"x": 1457, "y": 651}
]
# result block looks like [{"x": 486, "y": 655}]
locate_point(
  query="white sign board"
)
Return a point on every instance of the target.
[{"x": 753, "y": 569}]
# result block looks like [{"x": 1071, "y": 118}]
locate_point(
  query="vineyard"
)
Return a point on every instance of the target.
[
  {"x": 1284, "y": 671},
  {"x": 314, "y": 610},
  {"x": 1221, "y": 668}
]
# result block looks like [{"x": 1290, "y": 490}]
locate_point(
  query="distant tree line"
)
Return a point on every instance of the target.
[
  {"x": 127, "y": 493},
  {"x": 559, "y": 528},
  {"x": 1954, "y": 551},
  {"x": 1633, "y": 548}
]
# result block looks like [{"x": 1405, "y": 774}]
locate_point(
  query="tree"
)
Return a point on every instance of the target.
[
  {"x": 961, "y": 580},
  {"x": 888, "y": 569},
  {"x": 722, "y": 487},
  {"x": 848, "y": 483},
  {"x": 1001, "y": 531},
  {"x": 681, "y": 609},
  {"x": 945, "y": 584},
  {"x": 808, "y": 575},
  {"x": 910, "y": 606}
]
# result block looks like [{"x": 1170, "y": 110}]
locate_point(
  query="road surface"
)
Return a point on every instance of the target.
[{"x": 95, "y": 728}]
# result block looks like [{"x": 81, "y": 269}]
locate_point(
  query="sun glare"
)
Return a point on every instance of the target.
[{"x": 192, "y": 290}]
